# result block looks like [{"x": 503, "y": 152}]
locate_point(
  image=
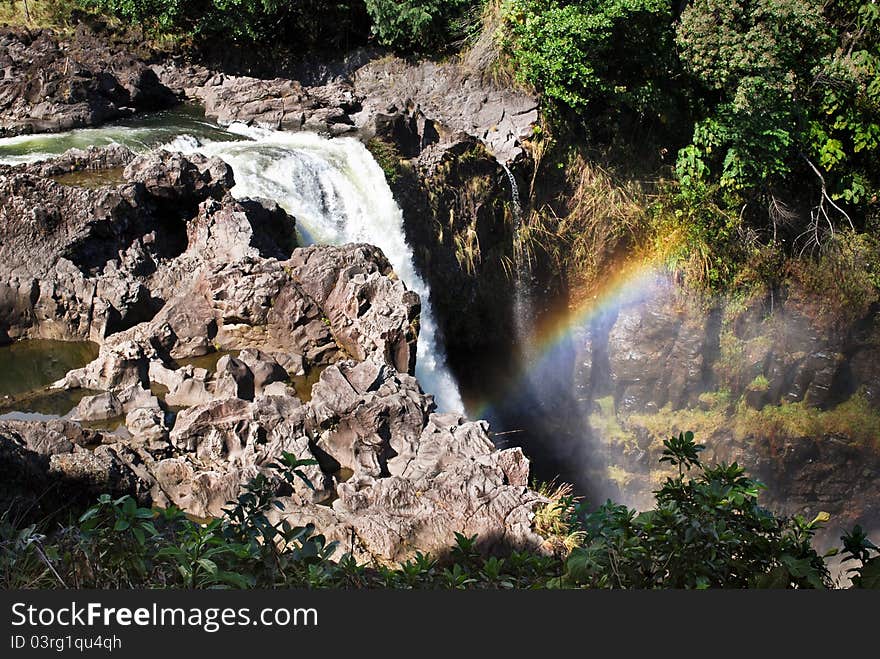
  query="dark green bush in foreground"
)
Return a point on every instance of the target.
[{"x": 706, "y": 531}]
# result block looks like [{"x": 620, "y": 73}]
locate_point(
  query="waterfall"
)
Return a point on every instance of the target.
[
  {"x": 514, "y": 194},
  {"x": 333, "y": 187},
  {"x": 338, "y": 194},
  {"x": 522, "y": 274}
]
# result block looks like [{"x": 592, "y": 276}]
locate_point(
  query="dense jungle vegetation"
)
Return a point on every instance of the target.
[
  {"x": 736, "y": 142},
  {"x": 707, "y": 530}
]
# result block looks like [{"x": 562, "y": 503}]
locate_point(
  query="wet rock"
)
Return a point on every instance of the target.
[{"x": 181, "y": 180}]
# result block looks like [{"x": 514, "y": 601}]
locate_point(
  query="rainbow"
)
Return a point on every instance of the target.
[{"x": 545, "y": 344}]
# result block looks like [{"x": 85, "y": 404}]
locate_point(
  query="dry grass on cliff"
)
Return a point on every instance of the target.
[
  {"x": 841, "y": 286},
  {"x": 36, "y": 13},
  {"x": 484, "y": 57},
  {"x": 555, "y": 520},
  {"x": 600, "y": 217}
]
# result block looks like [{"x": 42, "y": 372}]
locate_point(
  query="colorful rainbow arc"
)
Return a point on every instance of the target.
[{"x": 544, "y": 345}]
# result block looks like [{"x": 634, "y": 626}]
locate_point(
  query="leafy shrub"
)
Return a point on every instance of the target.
[
  {"x": 841, "y": 285},
  {"x": 589, "y": 54},
  {"x": 421, "y": 25},
  {"x": 300, "y": 25},
  {"x": 706, "y": 531},
  {"x": 791, "y": 98}
]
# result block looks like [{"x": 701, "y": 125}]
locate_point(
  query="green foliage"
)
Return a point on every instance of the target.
[
  {"x": 857, "y": 547},
  {"x": 706, "y": 531},
  {"x": 594, "y": 53},
  {"x": 299, "y": 25},
  {"x": 770, "y": 109},
  {"x": 421, "y": 25},
  {"x": 791, "y": 95},
  {"x": 759, "y": 56},
  {"x": 388, "y": 158}
]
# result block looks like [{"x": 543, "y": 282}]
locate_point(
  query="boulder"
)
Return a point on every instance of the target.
[{"x": 98, "y": 408}]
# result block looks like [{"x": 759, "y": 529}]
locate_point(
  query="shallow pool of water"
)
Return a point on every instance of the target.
[
  {"x": 303, "y": 384},
  {"x": 29, "y": 365},
  {"x": 92, "y": 178}
]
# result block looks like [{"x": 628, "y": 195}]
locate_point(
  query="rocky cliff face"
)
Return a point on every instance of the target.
[
  {"x": 446, "y": 127},
  {"x": 759, "y": 383},
  {"x": 49, "y": 83},
  {"x": 165, "y": 267}
]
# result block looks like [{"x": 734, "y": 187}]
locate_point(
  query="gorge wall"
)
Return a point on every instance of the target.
[
  {"x": 315, "y": 351},
  {"x": 760, "y": 382}
]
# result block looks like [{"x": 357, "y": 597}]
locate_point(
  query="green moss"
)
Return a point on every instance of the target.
[
  {"x": 387, "y": 156},
  {"x": 706, "y": 422},
  {"x": 855, "y": 419},
  {"x": 605, "y": 424},
  {"x": 760, "y": 383},
  {"x": 719, "y": 399}
]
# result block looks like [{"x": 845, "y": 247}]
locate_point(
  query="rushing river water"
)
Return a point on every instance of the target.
[{"x": 333, "y": 187}]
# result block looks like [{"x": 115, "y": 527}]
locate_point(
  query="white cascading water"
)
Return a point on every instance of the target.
[
  {"x": 333, "y": 187},
  {"x": 338, "y": 193},
  {"x": 522, "y": 297}
]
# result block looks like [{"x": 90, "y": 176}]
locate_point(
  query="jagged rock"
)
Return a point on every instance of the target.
[
  {"x": 180, "y": 180},
  {"x": 233, "y": 379},
  {"x": 98, "y": 470},
  {"x": 52, "y": 82},
  {"x": 279, "y": 389},
  {"x": 186, "y": 270},
  {"x": 147, "y": 424},
  {"x": 369, "y": 312},
  {"x": 92, "y": 158},
  {"x": 234, "y": 230},
  {"x": 277, "y": 103},
  {"x": 119, "y": 365},
  {"x": 451, "y": 95},
  {"x": 46, "y": 439},
  {"x": 264, "y": 369},
  {"x": 190, "y": 392},
  {"x": 98, "y": 408}
]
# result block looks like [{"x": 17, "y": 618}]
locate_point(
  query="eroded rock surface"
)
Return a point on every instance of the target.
[
  {"x": 49, "y": 83},
  {"x": 365, "y": 95},
  {"x": 212, "y": 326}
]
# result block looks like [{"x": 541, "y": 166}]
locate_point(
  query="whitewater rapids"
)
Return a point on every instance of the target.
[{"x": 333, "y": 187}]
